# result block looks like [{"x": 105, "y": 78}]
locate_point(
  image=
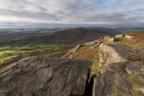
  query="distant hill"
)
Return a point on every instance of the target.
[
  {"x": 141, "y": 29},
  {"x": 66, "y": 36}
]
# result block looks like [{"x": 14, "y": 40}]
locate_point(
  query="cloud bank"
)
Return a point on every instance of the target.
[{"x": 72, "y": 11}]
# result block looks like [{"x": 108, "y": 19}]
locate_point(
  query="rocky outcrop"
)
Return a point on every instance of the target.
[
  {"x": 90, "y": 45},
  {"x": 121, "y": 75},
  {"x": 118, "y": 81},
  {"x": 119, "y": 72},
  {"x": 36, "y": 76},
  {"x": 112, "y": 54}
]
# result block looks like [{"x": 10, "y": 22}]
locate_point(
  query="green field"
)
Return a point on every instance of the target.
[
  {"x": 12, "y": 53},
  {"x": 19, "y": 43}
]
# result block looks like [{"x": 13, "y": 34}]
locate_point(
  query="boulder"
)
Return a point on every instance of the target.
[
  {"x": 91, "y": 43},
  {"x": 108, "y": 39},
  {"x": 36, "y": 76},
  {"x": 117, "y": 81},
  {"x": 122, "y": 72},
  {"x": 112, "y": 53},
  {"x": 129, "y": 37}
]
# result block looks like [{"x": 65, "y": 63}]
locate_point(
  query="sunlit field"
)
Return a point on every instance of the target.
[{"x": 12, "y": 53}]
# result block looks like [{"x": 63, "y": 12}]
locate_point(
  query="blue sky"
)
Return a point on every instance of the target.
[{"x": 100, "y": 12}]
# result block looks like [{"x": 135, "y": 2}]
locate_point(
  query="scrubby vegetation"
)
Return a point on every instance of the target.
[
  {"x": 89, "y": 53},
  {"x": 137, "y": 42},
  {"x": 138, "y": 81}
]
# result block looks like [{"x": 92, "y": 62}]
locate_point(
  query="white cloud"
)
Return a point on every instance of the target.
[{"x": 72, "y": 11}]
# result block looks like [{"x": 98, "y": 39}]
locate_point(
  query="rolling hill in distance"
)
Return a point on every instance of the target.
[{"x": 63, "y": 36}]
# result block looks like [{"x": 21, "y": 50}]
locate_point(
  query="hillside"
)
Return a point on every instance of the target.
[
  {"x": 134, "y": 29},
  {"x": 117, "y": 70},
  {"x": 19, "y": 43},
  {"x": 138, "y": 40},
  {"x": 109, "y": 66},
  {"x": 65, "y": 36},
  {"x": 90, "y": 50}
]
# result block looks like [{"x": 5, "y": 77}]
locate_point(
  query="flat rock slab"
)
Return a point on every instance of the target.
[{"x": 35, "y": 76}]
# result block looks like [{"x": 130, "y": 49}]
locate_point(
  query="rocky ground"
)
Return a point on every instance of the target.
[
  {"x": 118, "y": 70},
  {"x": 35, "y": 76},
  {"x": 90, "y": 69}
]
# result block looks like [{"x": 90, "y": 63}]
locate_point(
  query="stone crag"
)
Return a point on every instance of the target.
[
  {"x": 117, "y": 81},
  {"x": 120, "y": 69},
  {"x": 121, "y": 73},
  {"x": 34, "y": 76}
]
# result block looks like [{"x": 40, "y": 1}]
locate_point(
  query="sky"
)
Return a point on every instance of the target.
[{"x": 99, "y": 12}]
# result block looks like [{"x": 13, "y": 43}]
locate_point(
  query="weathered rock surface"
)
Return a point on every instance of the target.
[
  {"x": 92, "y": 45},
  {"x": 122, "y": 72},
  {"x": 35, "y": 76},
  {"x": 118, "y": 80},
  {"x": 112, "y": 54}
]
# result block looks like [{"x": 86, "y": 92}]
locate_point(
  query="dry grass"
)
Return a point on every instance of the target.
[
  {"x": 138, "y": 40},
  {"x": 89, "y": 53}
]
